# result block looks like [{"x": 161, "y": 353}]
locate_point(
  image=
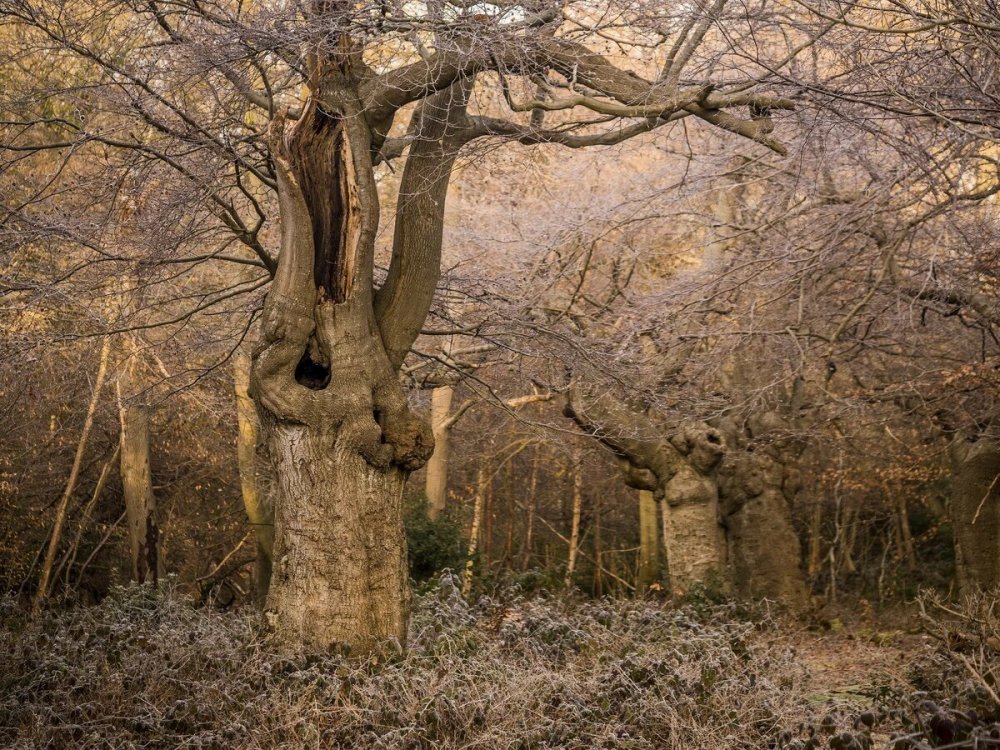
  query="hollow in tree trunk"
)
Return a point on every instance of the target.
[
  {"x": 339, "y": 431},
  {"x": 335, "y": 418}
]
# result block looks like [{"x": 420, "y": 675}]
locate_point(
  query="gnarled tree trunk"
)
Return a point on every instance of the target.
[
  {"x": 341, "y": 437},
  {"x": 766, "y": 555},
  {"x": 680, "y": 471},
  {"x": 757, "y": 487},
  {"x": 975, "y": 512},
  {"x": 339, "y": 432},
  {"x": 694, "y": 540}
]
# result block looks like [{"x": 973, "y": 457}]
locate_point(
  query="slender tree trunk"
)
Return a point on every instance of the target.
[
  {"x": 649, "y": 542},
  {"x": 598, "y": 550},
  {"x": 137, "y": 486},
  {"x": 256, "y": 500},
  {"x": 102, "y": 481},
  {"x": 526, "y": 549},
  {"x": 474, "y": 530},
  {"x": 907, "y": 552},
  {"x": 574, "y": 534},
  {"x": 508, "y": 545},
  {"x": 437, "y": 466},
  {"x": 665, "y": 574},
  {"x": 849, "y": 537},
  {"x": 815, "y": 538},
  {"x": 42, "y": 593},
  {"x": 975, "y": 512},
  {"x": 489, "y": 518}
]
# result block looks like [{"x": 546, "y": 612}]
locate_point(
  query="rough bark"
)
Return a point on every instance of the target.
[
  {"x": 975, "y": 511},
  {"x": 680, "y": 471},
  {"x": 256, "y": 500},
  {"x": 335, "y": 417},
  {"x": 438, "y": 127},
  {"x": 340, "y": 454},
  {"x": 137, "y": 487},
  {"x": 333, "y": 413},
  {"x": 757, "y": 487}
]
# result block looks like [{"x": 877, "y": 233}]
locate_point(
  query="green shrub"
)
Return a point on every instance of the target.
[{"x": 434, "y": 544}]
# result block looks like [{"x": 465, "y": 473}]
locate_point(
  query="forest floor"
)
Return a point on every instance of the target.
[
  {"x": 849, "y": 666},
  {"x": 512, "y": 672}
]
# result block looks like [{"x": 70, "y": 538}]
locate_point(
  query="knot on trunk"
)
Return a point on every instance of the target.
[
  {"x": 363, "y": 434},
  {"x": 411, "y": 438},
  {"x": 703, "y": 446}
]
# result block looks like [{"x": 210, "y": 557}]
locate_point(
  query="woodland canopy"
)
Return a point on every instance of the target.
[{"x": 305, "y": 302}]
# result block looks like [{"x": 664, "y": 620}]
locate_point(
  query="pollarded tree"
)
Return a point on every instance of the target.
[{"x": 235, "y": 103}]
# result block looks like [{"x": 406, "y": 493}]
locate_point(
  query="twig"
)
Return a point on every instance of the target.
[
  {"x": 107, "y": 535},
  {"x": 979, "y": 678},
  {"x": 225, "y": 559}
]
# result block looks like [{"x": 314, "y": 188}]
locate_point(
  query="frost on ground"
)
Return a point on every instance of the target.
[{"x": 146, "y": 670}]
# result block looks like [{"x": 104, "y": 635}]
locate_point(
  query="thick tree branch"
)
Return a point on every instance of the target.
[
  {"x": 401, "y": 305},
  {"x": 629, "y": 94},
  {"x": 532, "y": 136},
  {"x": 629, "y": 434}
]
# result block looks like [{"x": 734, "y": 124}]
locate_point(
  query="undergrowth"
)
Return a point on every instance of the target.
[{"x": 145, "y": 669}]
